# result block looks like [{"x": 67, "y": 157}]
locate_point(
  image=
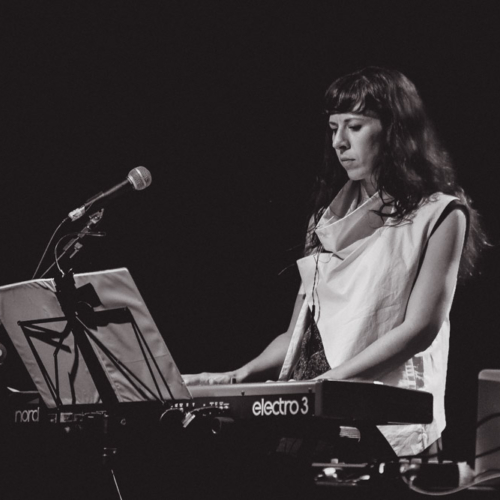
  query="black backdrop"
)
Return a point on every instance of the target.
[{"x": 221, "y": 101}]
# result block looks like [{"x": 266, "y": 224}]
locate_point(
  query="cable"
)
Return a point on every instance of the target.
[
  {"x": 481, "y": 423},
  {"x": 77, "y": 237},
  {"x": 488, "y": 452},
  {"x": 493, "y": 474},
  {"x": 47, "y": 247},
  {"x": 314, "y": 286},
  {"x": 93, "y": 220},
  {"x": 487, "y": 419}
]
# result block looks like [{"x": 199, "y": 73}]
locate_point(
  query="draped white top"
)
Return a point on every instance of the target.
[{"x": 360, "y": 290}]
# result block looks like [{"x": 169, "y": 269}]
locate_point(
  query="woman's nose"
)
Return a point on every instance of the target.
[{"x": 339, "y": 141}]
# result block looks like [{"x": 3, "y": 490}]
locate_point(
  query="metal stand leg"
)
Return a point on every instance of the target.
[{"x": 116, "y": 484}]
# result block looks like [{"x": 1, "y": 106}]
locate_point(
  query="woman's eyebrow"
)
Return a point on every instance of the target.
[
  {"x": 347, "y": 120},
  {"x": 360, "y": 117}
]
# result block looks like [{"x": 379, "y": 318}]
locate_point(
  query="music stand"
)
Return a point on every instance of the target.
[
  {"x": 87, "y": 339},
  {"x": 122, "y": 334}
]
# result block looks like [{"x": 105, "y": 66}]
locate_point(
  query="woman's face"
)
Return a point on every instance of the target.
[{"x": 356, "y": 139}]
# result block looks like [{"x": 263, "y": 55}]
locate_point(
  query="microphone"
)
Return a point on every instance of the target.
[{"x": 138, "y": 178}]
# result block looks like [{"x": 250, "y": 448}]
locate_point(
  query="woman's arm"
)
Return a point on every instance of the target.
[
  {"x": 265, "y": 366},
  {"x": 426, "y": 311}
]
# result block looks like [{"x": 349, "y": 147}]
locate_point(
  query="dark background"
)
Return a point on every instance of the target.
[{"x": 222, "y": 102}]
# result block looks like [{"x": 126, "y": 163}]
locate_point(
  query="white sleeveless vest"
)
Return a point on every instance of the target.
[{"x": 361, "y": 290}]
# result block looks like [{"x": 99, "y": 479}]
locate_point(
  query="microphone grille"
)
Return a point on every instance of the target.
[{"x": 140, "y": 178}]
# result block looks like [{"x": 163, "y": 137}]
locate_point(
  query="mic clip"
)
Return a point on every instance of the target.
[{"x": 80, "y": 211}]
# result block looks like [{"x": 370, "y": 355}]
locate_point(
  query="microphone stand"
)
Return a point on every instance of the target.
[{"x": 75, "y": 303}]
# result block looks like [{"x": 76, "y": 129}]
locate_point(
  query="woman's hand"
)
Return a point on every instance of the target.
[
  {"x": 330, "y": 375},
  {"x": 336, "y": 374},
  {"x": 208, "y": 378}
]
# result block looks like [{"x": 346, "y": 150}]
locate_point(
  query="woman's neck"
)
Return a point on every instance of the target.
[{"x": 369, "y": 186}]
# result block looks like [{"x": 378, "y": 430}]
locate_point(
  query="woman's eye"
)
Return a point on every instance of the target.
[{"x": 355, "y": 127}]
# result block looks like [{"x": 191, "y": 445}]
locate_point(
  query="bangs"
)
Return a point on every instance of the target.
[{"x": 351, "y": 94}]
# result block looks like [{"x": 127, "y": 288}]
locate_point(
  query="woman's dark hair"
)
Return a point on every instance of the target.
[{"x": 413, "y": 164}]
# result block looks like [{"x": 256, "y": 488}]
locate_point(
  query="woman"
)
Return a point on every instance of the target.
[{"x": 382, "y": 259}]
